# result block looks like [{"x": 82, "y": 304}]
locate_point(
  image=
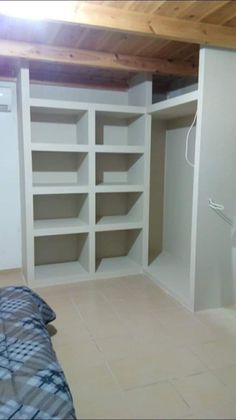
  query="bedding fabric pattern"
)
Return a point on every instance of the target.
[{"x": 32, "y": 383}]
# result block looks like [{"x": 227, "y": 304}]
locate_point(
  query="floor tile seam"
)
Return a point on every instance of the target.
[
  {"x": 114, "y": 310},
  {"x": 231, "y": 399},
  {"x": 91, "y": 336},
  {"x": 169, "y": 378}
]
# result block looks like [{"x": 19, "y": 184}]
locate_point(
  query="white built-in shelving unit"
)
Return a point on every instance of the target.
[
  {"x": 84, "y": 187},
  {"x": 106, "y": 190},
  {"x": 88, "y": 174}
]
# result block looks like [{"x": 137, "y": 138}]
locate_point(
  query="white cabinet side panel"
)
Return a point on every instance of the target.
[
  {"x": 25, "y": 173},
  {"x": 146, "y": 194},
  {"x": 215, "y": 178},
  {"x": 92, "y": 178}
]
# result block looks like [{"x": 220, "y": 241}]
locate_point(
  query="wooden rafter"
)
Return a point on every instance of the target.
[
  {"x": 111, "y": 18},
  {"x": 77, "y": 57}
]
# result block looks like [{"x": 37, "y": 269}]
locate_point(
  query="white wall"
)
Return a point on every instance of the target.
[
  {"x": 103, "y": 96},
  {"x": 10, "y": 225}
]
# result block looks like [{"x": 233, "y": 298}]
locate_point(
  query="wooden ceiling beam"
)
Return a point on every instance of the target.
[
  {"x": 111, "y": 18},
  {"x": 89, "y": 58}
]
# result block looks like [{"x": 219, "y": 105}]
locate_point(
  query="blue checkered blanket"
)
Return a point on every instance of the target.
[{"x": 32, "y": 383}]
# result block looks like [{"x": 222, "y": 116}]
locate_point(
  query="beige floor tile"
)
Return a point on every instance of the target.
[
  {"x": 191, "y": 332},
  {"x": 117, "y": 347},
  {"x": 145, "y": 291},
  {"x": 159, "y": 401},
  {"x": 88, "y": 296},
  {"x": 223, "y": 412},
  {"x": 92, "y": 381},
  {"x": 119, "y": 339},
  {"x": 175, "y": 317},
  {"x": 203, "y": 391},
  {"x": 11, "y": 278},
  {"x": 215, "y": 316},
  {"x": 135, "y": 310},
  {"x": 127, "y": 345},
  {"x": 116, "y": 291},
  {"x": 113, "y": 406},
  {"x": 216, "y": 354},
  {"x": 51, "y": 291},
  {"x": 60, "y": 303},
  {"x": 135, "y": 371},
  {"x": 227, "y": 375},
  {"x": 96, "y": 311},
  {"x": 222, "y": 320},
  {"x": 83, "y": 353},
  {"x": 122, "y": 281},
  {"x": 108, "y": 327},
  {"x": 69, "y": 332}
]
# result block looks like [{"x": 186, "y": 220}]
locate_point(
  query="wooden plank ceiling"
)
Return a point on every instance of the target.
[{"x": 121, "y": 39}]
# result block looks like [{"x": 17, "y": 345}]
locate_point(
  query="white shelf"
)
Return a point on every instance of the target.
[
  {"x": 119, "y": 149},
  {"x": 69, "y": 107},
  {"x": 120, "y": 111},
  {"x": 170, "y": 273},
  {"x": 180, "y": 106},
  {"x": 59, "y": 189},
  {"x": 118, "y": 264},
  {"x": 59, "y": 226},
  {"x": 113, "y": 187},
  {"x": 65, "y": 107},
  {"x": 117, "y": 223},
  {"x": 55, "y": 147},
  {"x": 59, "y": 273}
]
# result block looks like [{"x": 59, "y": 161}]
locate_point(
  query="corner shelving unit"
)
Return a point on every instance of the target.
[
  {"x": 106, "y": 190},
  {"x": 85, "y": 186}
]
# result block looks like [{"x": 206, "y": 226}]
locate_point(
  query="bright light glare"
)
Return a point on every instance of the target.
[{"x": 58, "y": 10}]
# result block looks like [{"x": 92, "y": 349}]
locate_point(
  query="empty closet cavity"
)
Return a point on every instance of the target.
[
  {"x": 119, "y": 208},
  {"x": 119, "y": 168},
  {"x": 59, "y": 126},
  {"x": 60, "y": 212},
  {"x": 61, "y": 256},
  {"x": 171, "y": 194},
  {"x": 59, "y": 168},
  {"x": 118, "y": 251},
  {"x": 119, "y": 129}
]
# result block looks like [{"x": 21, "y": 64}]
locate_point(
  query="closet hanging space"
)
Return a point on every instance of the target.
[{"x": 171, "y": 191}]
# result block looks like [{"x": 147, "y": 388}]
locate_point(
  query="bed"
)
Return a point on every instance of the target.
[{"x": 32, "y": 383}]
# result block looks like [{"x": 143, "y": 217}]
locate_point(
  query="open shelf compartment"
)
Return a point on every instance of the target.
[
  {"x": 58, "y": 126},
  {"x": 62, "y": 257},
  {"x": 58, "y": 168},
  {"x": 116, "y": 129},
  {"x": 115, "y": 210},
  {"x": 119, "y": 169},
  {"x": 119, "y": 251},
  {"x": 60, "y": 213}
]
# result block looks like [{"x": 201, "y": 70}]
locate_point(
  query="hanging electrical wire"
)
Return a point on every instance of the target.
[{"x": 187, "y": 141}]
